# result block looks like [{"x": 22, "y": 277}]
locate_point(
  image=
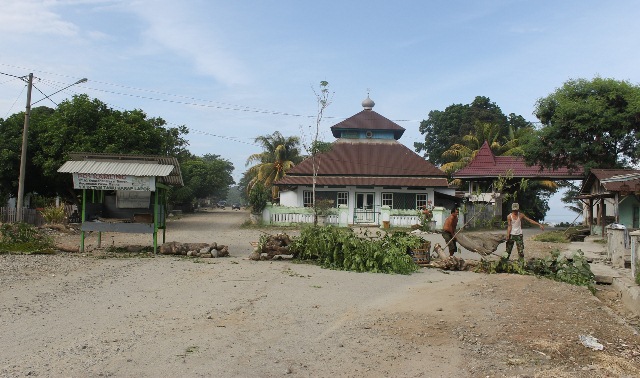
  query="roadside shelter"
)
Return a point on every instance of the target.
[
  {"x": 611, "y": 196},
  {"x": 123, "y": 193}
]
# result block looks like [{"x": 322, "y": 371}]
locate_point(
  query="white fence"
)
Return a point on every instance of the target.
[
  {"x": 293, "y": 218},
  {"x": 403, "y": 220}
]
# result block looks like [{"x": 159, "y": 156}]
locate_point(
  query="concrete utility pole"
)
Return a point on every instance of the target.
[
  {"x": 23, "y": 156},
  {"x": 25, "y": 136}
]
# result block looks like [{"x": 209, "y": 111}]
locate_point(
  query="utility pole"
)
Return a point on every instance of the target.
[{"x": 23, "y": 156}]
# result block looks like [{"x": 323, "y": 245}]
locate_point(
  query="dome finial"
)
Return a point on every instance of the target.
[{"x": 368, "y": 103}]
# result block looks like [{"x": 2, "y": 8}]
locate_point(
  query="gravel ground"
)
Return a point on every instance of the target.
[{"x": 91, "y": 314}]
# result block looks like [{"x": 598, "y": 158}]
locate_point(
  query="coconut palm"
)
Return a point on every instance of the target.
[
  {"x": 279, "y": 156},
  {"x": 460, "y": 155}
]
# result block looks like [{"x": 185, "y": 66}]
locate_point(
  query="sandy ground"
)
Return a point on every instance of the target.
[{"x": 83, "y": 315}]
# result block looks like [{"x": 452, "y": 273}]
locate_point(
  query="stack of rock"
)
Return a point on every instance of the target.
[
  {"x": 195, "y": 249},
  {"x": 274, "y": 247}
]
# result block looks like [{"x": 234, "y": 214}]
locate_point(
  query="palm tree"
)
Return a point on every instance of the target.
[
  {"x": 279, "y": 156},
  {"x": 461, "y": 154}
]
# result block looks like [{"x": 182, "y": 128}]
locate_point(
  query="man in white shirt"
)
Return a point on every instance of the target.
[{"x": 514, "y": 231}]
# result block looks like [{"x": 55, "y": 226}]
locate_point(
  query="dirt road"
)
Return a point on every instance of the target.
[{"x": 77, "y": 315}]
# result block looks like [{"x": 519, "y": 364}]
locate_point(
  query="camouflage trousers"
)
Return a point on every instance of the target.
[{"x": 517, "y": 239}]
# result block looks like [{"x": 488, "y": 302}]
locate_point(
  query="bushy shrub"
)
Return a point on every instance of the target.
[
  {"x": 24, "y": 238},
  {"x": 53, "y": 214},
  {"x": 259, "y": 195}
]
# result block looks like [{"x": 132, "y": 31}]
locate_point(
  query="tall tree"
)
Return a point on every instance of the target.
[
  {"x": 10, "y": 150},
  {"x": 590, "y": 123},
  {"x": 83, "y": 125},
  {"x": 279, "y": 155},
  {"x": 461, "y": 154},
  {"x": 445, "y": 128},
  {"x": 205, "y": 177}
]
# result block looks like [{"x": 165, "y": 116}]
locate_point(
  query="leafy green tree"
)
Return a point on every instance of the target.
[
  {"x": 589, "y": 123},
  {"x": 445, "y": 128},
  {"x": 459, "y": 155},
  {"x": 205, "y": 177},
  {"x": 80, "y": 125},
  {"x": 10, "y": 150}
]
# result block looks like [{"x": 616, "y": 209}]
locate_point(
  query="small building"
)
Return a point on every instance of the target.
[
  {"x": 611, "y": 196},
  {"x": 368, "y": 174},
  {"x": 123, "y": 193}
]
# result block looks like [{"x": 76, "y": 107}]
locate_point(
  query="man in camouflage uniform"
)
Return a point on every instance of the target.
[{"x": 514, "y": 231}]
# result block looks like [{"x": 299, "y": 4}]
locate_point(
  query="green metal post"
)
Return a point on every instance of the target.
[
  {"x": 84, "y": 200},
  {"x": 155, "y": 222}
]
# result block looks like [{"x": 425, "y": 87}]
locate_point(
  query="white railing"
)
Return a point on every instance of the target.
[
  {"x": 332, "y": 219},
  {"x": 291, "y": 218},
  {"x": 403, "y": 220}
]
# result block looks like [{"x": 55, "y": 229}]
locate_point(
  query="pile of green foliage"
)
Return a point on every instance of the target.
[
  {"x": 25, "y": 239},
  {"x": 575, "y": 270},
  {"x": 342, "y": 249}
]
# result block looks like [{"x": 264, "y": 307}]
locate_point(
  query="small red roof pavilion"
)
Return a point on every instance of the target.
[{"x": 485, "y": 165}]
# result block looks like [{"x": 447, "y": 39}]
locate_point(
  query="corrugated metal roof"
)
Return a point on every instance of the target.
[
  {"x": 615, "y": 186},
  {"x": 165, "y": 168},
  {"x": 368, "y": 120},
  {"x": 116, "y": 168},
  {"x": 486, "y": 165}
]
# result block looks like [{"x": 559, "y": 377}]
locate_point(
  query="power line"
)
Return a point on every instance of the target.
[{"x": 193, "y": 101}]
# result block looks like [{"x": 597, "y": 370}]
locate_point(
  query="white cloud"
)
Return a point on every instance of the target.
[
  {"x": 175, "y": 26},
  {"x": 34, "y": 17}
]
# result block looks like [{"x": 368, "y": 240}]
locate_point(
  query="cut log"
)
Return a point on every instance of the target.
[{"x": 446, "y": 262}]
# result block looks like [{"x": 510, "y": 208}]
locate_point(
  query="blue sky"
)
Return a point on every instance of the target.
[{"x": 233, "y": 70}]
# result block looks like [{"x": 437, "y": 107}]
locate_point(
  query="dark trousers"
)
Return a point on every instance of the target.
[{"x": 452, "y": 245}]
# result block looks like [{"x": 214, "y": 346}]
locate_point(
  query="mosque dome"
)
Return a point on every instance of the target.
[{"x": 368, "y": 103}]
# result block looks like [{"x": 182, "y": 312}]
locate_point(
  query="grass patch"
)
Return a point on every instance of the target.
[{"x": 552, "y": 237}]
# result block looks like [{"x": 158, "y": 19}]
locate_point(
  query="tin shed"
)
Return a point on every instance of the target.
[{"x": 123, "y": 193}]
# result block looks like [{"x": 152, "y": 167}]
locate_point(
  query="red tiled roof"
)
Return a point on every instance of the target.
[
  {"x": 367, "y": 120},
  {"x": 365, "y": 181},
  {"x": 369, "y": 158},
  {"x": 485, "y": 165}
]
